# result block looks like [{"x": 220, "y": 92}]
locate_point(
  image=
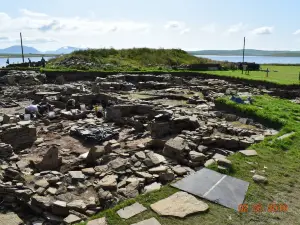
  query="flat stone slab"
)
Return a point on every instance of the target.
[
  {"x": 10, "y": 219},
  {"x": 100, "y": 221},
  {"x": 71, "y": 219},
  {"x": 152, "y": 187},
  {"x": 151, "y": 221},
  {"x": 216, "y": 187},
  {"x": 131, "y": 210},
  {"x": 248, "y": 152},
  {"x": 285, "y": 136},
  {"x": 180, "y": 205}
]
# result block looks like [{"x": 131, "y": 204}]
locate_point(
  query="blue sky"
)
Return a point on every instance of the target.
[{"x": 190, "y": 24}]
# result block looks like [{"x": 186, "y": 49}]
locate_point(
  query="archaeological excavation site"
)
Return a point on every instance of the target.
[{"x": 126, "y": 135}]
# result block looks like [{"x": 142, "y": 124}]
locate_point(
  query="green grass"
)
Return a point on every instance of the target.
[
  {"x": 279, "y": 159},
  {"x": 285, "y": 74},
  {"x": 128, "y": 59}
]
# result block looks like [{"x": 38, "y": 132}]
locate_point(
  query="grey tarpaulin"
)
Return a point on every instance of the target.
[
  {"x": 216, "y": 187},
  {"x": 94, "y": 133}
]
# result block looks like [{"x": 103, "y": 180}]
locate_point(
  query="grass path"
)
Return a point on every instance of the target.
[
  {"x": 278, "y": 160},
  {"x": 284, "y": 74}
]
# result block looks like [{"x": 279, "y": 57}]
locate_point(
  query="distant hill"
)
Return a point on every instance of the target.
[
  {"x": 63, "y": 50},
  {"x": 248, "y": 52},
  {"x": 16, "y": 49}
]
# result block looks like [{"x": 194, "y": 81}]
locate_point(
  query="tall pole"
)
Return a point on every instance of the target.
[
  {"x": 244, "y": 50},
  {"x": 22, "y": 46}
]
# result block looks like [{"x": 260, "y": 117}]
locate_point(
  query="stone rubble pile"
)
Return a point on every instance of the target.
[
  {"x": 27, "y": 77},
  {"x": 138, "y": 146}
]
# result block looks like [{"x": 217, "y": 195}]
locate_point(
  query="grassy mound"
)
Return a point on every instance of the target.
[{"x": 125, "y": 59}]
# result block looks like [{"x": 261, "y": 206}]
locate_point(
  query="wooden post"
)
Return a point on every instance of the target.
[
  {"x": 22, "y": 46},
  {"x": 244, "y": 50}
]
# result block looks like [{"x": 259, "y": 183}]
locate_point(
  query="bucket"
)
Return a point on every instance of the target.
[
  {"x": 82, "y": 107},
  {"x": 51, "y": 114},
  {"x": 27, "y": 117}
]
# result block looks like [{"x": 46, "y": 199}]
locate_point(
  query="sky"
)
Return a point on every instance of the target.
[{"x": 189, "y": 24}]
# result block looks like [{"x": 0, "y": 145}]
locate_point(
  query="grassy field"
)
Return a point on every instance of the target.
[
  {"x": 284, "y": 74},
  {"x": 127, "y": 59},
  {"x": 278, "y": 160}
]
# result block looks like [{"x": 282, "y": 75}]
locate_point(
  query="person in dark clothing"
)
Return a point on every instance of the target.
[
  {"x": 43, "y": 61},
  {"x": 71, "y": 104},
  {"x": 29, "y": 62},
  {"x": 250, "y": 100},
  {"x": 7, "y": 61}
]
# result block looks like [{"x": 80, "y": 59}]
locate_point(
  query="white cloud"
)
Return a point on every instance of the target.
[
  {"x": 184, "y": 31},
  {"x": 236, "y": 28},
  {"x": 27, "y": 12},
  {"x": 210, "y": 28},
  {"x": 263, "y": 30},
  {"x": 297, "y": 32},
  {"x": 34, "y": 23},
  {"x": 175, "y": 25},
  {"x": 178, "y": 26}
]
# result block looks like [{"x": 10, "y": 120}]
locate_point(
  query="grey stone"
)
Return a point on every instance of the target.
[
  {"x": 158, "y": 169},
  {"x": 94, "y": 154},
  {"x": 179, "y": 170},
  {"x": 109, "y": 182},
  {"x": 41, "y": 202},
  {"x": 77, "y": 175},
  {"x": 151, "y": 221},
  {"x": 6, "y": 150},
  {"x": 209, "y": 162},
  {"x": 179, "y": 205},
  {"x": 52, "y": 190},
  {"x": 77, "y": 205},
  {"x": 286, "y": 136},
  {"x": 218, "y": 156},
  {"x": 59, "y": 208},
  {"x": 140, "y": 155},
  {"x": 154, "y": 159},
  {"x": 131, "y": 210},
  {"x": 42, "y": 183},
  {"x": 248, "y": 152},
  {"x": 196, "y": 156},
  {"x": 10, "y": 218},
  {"x": 50, "y": 160},
  {"x": 260, "y": 179},
  {"x": 71, "y": 219},
  {"x": 118, "y": 164},
  {"x": 131, "y": 190},
  {"x": 152, "y": 187},
  {"x": 88, "y": 171},
  {"x": 167, "y": 176},
  {"x": 174, "y": 148},
  {"x": 101, "y": 221},
  {"x": 224, "y": 162}
]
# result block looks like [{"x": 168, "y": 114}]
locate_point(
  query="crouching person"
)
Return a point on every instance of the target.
[
  {"x": 34, "y": 110},
  {"x": 71, "y": 103}
]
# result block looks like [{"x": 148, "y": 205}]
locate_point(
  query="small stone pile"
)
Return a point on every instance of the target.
[
  {"x": 14, "y": 77},
  {"x": 6, "y": 150},
  {"x": 19, "y": 136}
]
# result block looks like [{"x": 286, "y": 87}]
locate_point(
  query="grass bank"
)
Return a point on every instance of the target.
[
  {"x": 278, "y": 160},
  {"x": 125, "y": 59},
  {"x": 277, "y": 74}
]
